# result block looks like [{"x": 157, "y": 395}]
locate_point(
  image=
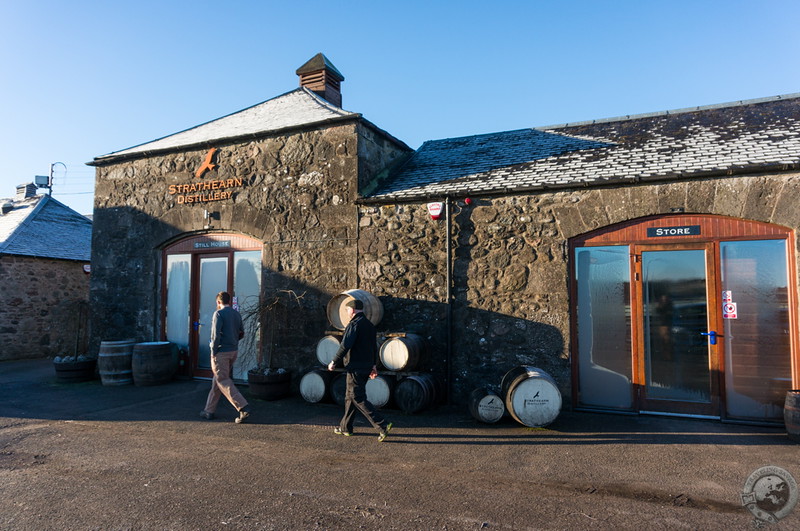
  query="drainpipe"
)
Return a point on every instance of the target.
[{"x": 449, "y": 281}]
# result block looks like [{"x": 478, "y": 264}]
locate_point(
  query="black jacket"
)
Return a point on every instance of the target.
[{"x": 358, "y": 349}]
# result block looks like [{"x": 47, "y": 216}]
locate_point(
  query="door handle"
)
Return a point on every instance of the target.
[
  {"x": 712, "y": 337},
  {"x": 196, "y": 325}
]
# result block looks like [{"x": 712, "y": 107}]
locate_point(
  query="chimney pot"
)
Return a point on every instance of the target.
[
  {"x": 26, "y": 191},
  {"x": 320, "y": 76}
]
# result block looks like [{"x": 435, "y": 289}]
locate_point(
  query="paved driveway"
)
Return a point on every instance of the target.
[{"x": 85, "y": 456}]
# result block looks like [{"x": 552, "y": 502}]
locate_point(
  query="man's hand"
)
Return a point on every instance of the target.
[
  {"x": 374, "y": 373},
  {"x": 330, "y": 366}
]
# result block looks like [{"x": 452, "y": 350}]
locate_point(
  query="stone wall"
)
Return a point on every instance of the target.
[
  {"x": 297, "y": 196},
  {"x": 300, "y": 196},
  {"x": 510, "y": 266},
  {"x": 42, "y": 301}
]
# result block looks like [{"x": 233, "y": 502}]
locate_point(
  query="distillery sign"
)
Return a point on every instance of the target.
[
  {"x": 205, "y": 191},
  {"x": 685, "y": 230}
]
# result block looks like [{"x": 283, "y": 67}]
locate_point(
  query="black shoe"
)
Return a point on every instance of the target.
[
  {"x": 206, "y": 415},
  {"x": 243, "y": 414},
  {"x": 385, "y": 433},
  {"x": 339, "y": 431}
]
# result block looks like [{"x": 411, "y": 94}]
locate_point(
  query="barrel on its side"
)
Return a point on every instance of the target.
[
  {"x": 315, "y": 385},
  {"x": 379, "y": 390},
  {"x": 339, "y": 388},
  {"x": 153, "y": 363},
  {"x": 486, "y": 406},
  {"x": 402, "y": 353},
  {"x": 337, "y": 311},
  {"x": 415, "y": 393},
  {"x": 326, "y": 349},
  {"x": 114, "y": 362},
  {"x": 531, "y": 395},
  {"x": 791, "y": 414}
]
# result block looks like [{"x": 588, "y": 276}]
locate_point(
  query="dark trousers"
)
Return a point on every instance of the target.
[{"x": 355, "y": 398}]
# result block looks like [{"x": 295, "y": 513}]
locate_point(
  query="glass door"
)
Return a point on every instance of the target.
[
  {"x": 677, "y": 330},
  {"x": 213, "y": 279}
]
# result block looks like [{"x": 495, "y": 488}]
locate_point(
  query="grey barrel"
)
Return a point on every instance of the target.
[
  {"x": 326, "y": 349},
  {"x": 415, "y": 393},
  {"x": 153, "y": 363},
  {"x": 379, "y": 390},
  {"x": 339, "y": 388},
  {"x": 315, "y": 385},
  {"x": 531, "y": 396},
  {"x": 337, "y": 311},
  {"x": 114, "y": 362},
  {"x": 402, "y": 353},
  {"x": 486, "y": 405},
  {"x": 791, "y": 414}
]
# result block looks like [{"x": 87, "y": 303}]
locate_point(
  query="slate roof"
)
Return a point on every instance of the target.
[
  {"x": 741, "y": 137},
  {"x": 298, "y": 108},
  {"x": 43, "y": 227}
]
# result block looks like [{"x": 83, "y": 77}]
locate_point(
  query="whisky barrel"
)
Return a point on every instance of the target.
[
  {"x": 337, "y": 311},
  {"x": 338, "y": 387},
  {"x": 531, "y": 396},
  {"x": 153, "y": 363},
  {"x": 114, "y": 362},
  {"x": 315, "y": 385},
  {"x": 379, "y": 390},
  {"x": 326, "y": 349},
  {"x": 486, "y": 406},
  {"x": 402, "y": 353},
  {"x": 791, "y": 414},
  {"x": 415, "y": 393}
]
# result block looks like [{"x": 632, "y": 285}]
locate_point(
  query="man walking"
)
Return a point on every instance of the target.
[
  {"x": 226, "y": 331},
  {"x": 356, "y": 354}
]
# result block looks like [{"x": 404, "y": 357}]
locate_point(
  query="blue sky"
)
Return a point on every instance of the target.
[{"x": 83, "y": 78}]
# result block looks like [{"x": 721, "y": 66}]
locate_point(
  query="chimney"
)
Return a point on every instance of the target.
[
  {"x": 25, "y": 191},
  {"x": 321, "y": 77}
]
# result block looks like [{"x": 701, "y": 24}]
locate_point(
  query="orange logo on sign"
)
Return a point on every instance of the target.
[{"x": 207, "y": 164}]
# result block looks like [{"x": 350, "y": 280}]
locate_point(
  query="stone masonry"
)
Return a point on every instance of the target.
[
  {"x": 297, "y": 195},
  {"x": 510, "y": 268},
  {"x": 42, "y": 301}
]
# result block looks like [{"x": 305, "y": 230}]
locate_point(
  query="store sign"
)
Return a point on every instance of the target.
[
  {"x": 686, "y": 230},
  {"x": 205, "y": 191}
]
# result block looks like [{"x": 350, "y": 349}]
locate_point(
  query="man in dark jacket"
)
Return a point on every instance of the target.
[{"x": 356, "y": 354}]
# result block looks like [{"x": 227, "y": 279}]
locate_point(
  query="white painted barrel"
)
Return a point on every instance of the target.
[
  {"x": 379, "y": 390},
  {"x": 486, "y": 406},
  {"x": 315, "y": 385},
  {"x": 402, "y": 353},
  {"x": 337, "y": 311},
  {"x": 531, "y": 395},
  {"x": 326, "y": 349}
]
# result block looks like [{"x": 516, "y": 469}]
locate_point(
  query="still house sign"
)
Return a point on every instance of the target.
[{"x": 205, "y": 191}]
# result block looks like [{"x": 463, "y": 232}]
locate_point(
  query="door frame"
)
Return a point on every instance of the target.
[
  {"x": 711, "y": 229},
  {"x": 716, "y": 353},
  {"x": 218, "y": 244}
]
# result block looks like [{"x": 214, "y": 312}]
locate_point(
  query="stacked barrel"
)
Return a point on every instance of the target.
[{"x": 397, "y": 381}]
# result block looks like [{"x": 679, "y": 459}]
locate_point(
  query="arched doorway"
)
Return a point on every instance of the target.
[
  {"x": 685, "y": 315},
  {"x": 196, "y": 268}
]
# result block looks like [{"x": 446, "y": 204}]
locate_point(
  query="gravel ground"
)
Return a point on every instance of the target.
[{"x": 85, "y": 456}]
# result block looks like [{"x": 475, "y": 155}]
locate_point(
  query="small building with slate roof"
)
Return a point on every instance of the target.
[
  {"x": 646, "y": 263},
  {"x": 45, "y": 250}
]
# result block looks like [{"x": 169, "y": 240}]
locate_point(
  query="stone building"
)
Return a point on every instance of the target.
[
  {"x": 44, "y": 278},
  {"x": 604, "y": 252}
]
